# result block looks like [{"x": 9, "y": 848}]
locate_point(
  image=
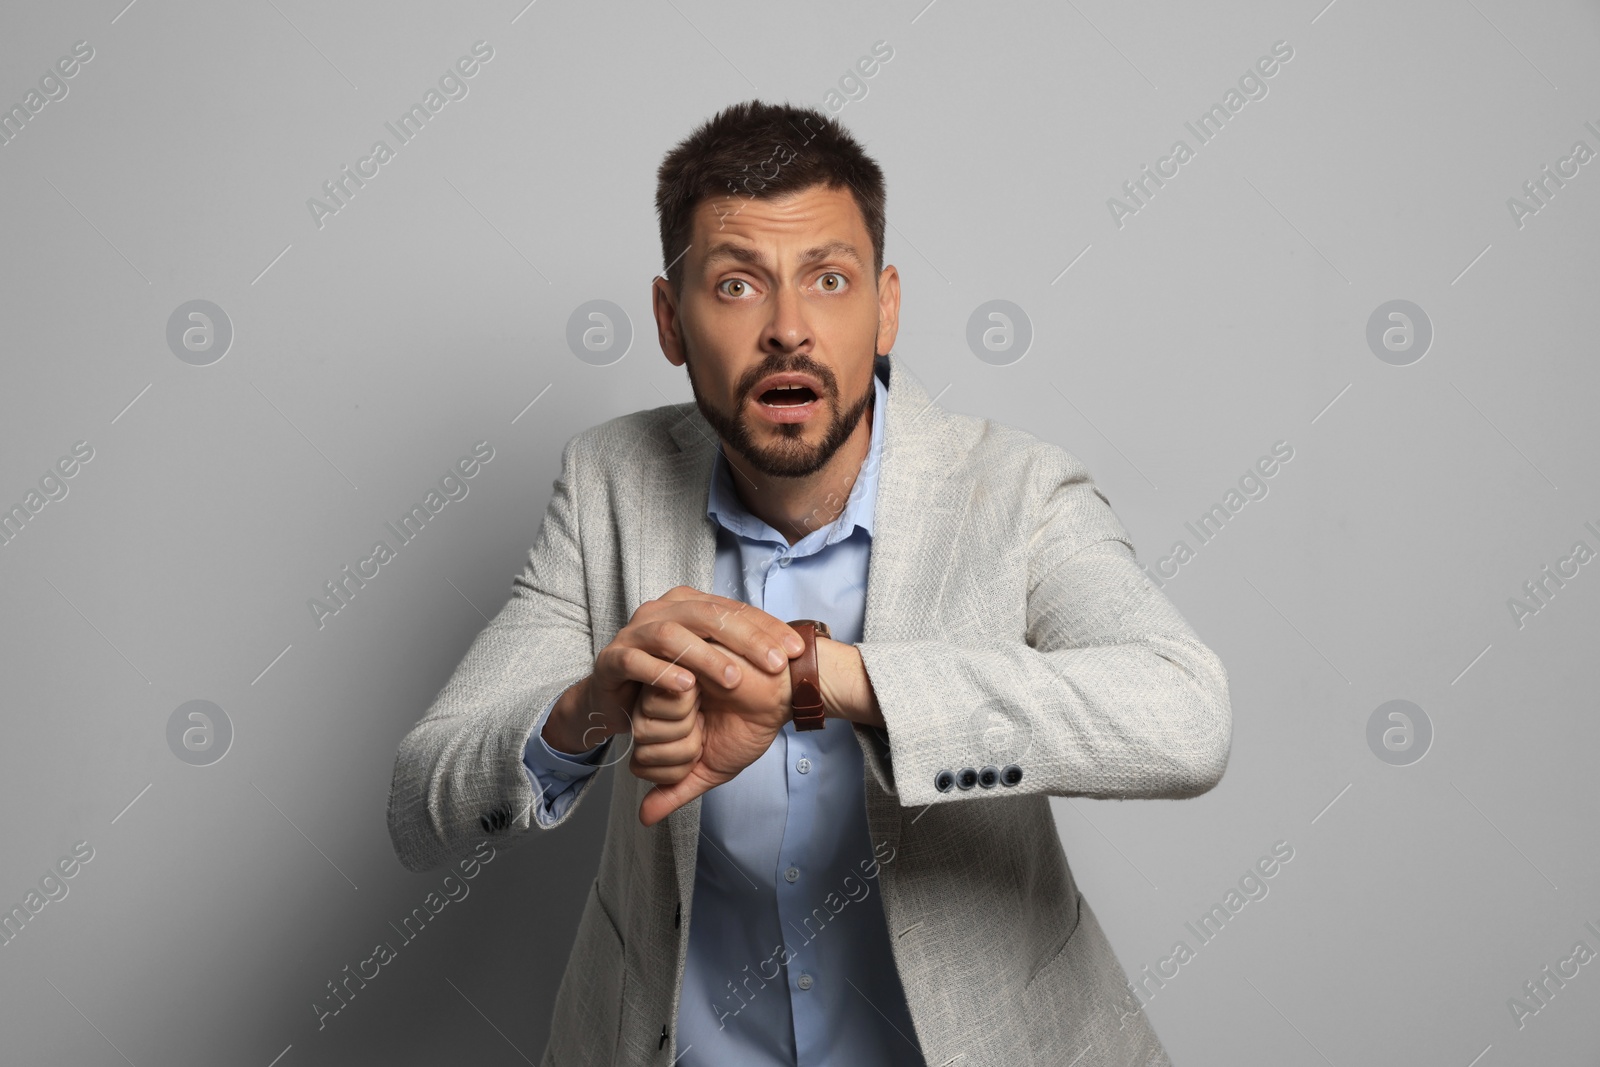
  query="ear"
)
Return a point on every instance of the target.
[
  {"x": 888, "y": 309},
  {"x": 664, "y": 305}
]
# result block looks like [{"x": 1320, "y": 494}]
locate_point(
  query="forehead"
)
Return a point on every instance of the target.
[{"x": 810, "y": 215}]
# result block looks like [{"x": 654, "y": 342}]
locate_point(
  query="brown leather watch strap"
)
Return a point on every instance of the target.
[{"x": 805, "y": 682}]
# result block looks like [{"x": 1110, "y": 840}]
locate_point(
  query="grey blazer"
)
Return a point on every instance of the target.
[{"x": 1007, "y": 622}]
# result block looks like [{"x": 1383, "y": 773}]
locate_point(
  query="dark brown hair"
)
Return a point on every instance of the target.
[{"x": 758, "y": 150}]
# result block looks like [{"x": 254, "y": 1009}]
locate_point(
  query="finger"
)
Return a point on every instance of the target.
[
  {"x": 661, "y": 703},
  {"x": 665, "y": 799},
  {"x": 648, "y": 731},
  {"x": 623, "y": 663},
  {"x": 662, "y": 775},
  {"x": 669, "y": 763},
  {"x": 680, "y": 642},
  {"x": 681, "y": 752},
  {"x": 670, "y": 731},
  {"x": 748, "y": 630}
]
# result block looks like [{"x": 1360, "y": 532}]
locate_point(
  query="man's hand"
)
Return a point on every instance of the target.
[
  {"x": 735, "y": 727},
  {"x": 667, "y": 734},
  {"x": 670, "y": 642}
]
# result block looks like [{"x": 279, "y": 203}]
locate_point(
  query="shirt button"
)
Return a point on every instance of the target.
[
  {"x": 805, "y": 981},
  {"x": 792, "y": 874},
  {"x": 804, "y": 766},
  {"x": 563, "y": 776},
  {"x": 784, "y": 562}
]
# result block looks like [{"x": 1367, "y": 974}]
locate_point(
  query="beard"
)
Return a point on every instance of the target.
[{"x": 791, "y": 456}]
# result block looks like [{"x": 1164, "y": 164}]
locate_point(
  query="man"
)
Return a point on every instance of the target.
[{"x": 877, "y": 880}]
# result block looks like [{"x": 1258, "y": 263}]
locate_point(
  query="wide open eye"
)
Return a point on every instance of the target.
[
  {"x": 838, "y": 284},
  {"x": 744, "y": 287}
]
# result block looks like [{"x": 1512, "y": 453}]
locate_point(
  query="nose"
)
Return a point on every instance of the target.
[{"x": 788, "y": 329}]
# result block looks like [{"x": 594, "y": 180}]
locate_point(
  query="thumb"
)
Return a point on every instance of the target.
[{"x": 663, "y": 800}]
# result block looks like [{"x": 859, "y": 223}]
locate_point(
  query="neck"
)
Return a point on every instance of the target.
[{"x": 796, "y": 506}]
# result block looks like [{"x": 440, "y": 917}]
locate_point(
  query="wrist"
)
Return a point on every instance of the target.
[
  {"x": 846, "y": 691},
  {"x": 571, "y": 727}
]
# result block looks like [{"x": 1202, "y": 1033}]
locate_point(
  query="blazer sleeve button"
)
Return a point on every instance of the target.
[
  {"x": 1011, "y": 774},
  {"x": 943, "y": 781},
  {"x": 988, "y": 777},
  {"x": 967, "y": 778}
]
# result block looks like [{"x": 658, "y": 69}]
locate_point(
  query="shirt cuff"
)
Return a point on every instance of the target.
[{"x": 554, "y": 775}]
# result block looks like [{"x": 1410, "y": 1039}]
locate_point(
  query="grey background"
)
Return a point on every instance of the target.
[{"x": 1230, "y": 313}]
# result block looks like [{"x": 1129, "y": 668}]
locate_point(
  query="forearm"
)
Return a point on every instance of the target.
[
  {"x": 461, "y": 766},
  {"x": 1142, "y": 719}
]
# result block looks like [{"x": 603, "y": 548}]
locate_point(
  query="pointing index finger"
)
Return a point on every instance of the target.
[{"x": 746, "y": 629}]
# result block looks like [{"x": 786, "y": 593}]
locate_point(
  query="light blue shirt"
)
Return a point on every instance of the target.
[{"x": 789, "y": 955}]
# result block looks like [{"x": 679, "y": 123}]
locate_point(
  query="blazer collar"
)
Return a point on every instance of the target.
[{"x": 917, "y": 520}]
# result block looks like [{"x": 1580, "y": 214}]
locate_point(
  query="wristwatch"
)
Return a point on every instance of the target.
[{"x": 805, "y": 684}]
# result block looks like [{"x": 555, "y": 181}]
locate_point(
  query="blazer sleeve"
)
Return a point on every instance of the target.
[
  {"x": 459, "y": 775},
  {"x": 1111, "y": 694}
]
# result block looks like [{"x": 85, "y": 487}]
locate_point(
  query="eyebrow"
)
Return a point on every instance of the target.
[{"x": 833, "y": 249}]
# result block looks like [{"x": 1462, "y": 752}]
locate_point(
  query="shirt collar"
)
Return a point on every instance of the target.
[{"x": 724, "y": 505}]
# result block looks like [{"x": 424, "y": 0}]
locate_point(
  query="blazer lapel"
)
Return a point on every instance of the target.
[
  {"x": 917, "y": 517},
  {"x": 916, "y": 529}
]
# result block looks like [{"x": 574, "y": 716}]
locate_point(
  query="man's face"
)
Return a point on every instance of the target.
[{"x": 780, "y": 287}]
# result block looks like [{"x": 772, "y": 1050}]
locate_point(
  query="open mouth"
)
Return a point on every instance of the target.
[
  {"x": 785, "y": 396},
  {"x": 788, "y": 403}
]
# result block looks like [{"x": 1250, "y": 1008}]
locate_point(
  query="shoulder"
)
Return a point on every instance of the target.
[
  {"x": 1017, "y": 481},
  {"x": 1017, "y": 460},
  {"x": 626, "y": 445}
]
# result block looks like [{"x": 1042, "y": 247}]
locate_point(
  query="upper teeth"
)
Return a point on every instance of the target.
[{"x": 788, "y": 387}]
